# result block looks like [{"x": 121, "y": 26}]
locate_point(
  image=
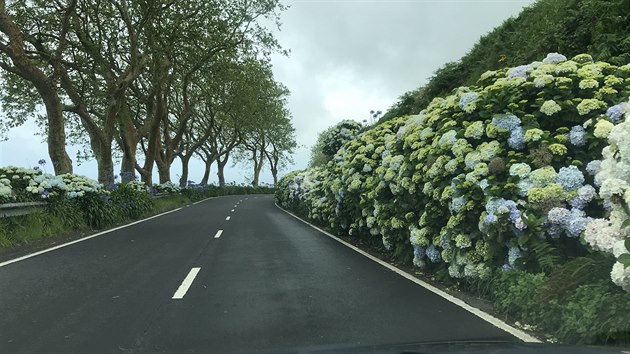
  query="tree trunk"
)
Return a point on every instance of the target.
[
  {"x": 128, "y": 164},
  {"x": 56, "y": 131},
  {"x": 256, "y": 175},
  {"x": 206, "y": 173},
  {"x": 164, "y": 171},
  {"x": 128, "y": 142},
  {"x": 274, "y": 173},
  {"x": 183, "y": 180},
  {"x": 105, "y": 163},
  {"x": 156, "y": 108},
  {"x": 220, "y": 174},
  {"x": 258, "y": 164}
]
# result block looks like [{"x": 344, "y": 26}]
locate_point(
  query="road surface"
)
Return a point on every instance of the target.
[{"x": 230, "y": 274}]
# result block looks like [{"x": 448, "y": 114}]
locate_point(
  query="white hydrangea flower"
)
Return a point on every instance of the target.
[{"x": 620, "y": 275}]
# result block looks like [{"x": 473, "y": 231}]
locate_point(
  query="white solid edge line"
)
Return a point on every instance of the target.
[
  {"x": 228, "y": 218},
  {"x": 84, "y": 238},
  {"x": 186, "y": 283},
  {"x": 218, "y": 234},
  {"x": 203, "y": 200},
  {"x": 479, "y": 313}
]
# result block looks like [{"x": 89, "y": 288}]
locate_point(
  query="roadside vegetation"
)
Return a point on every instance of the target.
[
  {"x": 515, "y": 188},
  {"x": 141, "y": 85},
  {"x": 78, "y": 205},
  {"x": 506, "y": 175}
]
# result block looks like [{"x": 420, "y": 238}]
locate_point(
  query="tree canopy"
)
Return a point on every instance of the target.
[{"x": 143, "y": 82}]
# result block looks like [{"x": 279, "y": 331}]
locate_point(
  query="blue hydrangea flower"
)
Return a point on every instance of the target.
[
  {"x": 515, "y": 214},
  {"x": 554, "y": 231},
  {"x": 570, "y": 177},
  {"x": 576, "y": 136},
  {"x": 490, "y": 219},
  {"x": 617, "y": 111},
  {"x": 499, "y": 206},
  {"x": 593, "y": 167},
  {"x": 519, "y": 71},
  {"x": 513, "y": 254},
  {"x": 467, "y": 98},
  {"x": 559, "y": 216},
  {"x": 506, "y": 121},
  {"x": 418, "y": 251},
  {"x": 554, "y": 58},
  {"x": 577, "y": 223},
  {"x": 585, "y": 195},
  {"x": 433, "y": 254},
  {"x": 517, "y": 139},
  {"x": 457, "y": 204}
]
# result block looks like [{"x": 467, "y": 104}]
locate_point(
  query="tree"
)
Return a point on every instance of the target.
[
  {"x": 94, "y": 61},
  {"x": 212, "y": 30},
  {"x": 281, "y": 145},
  {"x": 22, "y": 64},
  {"x": 168, "y": 77},
  {"x": 266, "y": 114}
]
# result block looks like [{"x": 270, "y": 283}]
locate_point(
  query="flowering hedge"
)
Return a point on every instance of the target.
[
  {"x": 479, "y": 178},
  {"x": 99, "y": 205}
]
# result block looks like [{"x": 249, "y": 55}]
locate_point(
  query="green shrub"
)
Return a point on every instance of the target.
[
  {"x": 97, "y": 210},
  {"x": 130, "y": 200},
  {"x": 515, "y": 294},
  {"x": 596, "y": 313},
  {"x": 496, "y": 186}
]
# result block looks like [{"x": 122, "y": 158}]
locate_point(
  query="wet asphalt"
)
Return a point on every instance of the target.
[{"x": 267, "y": 283}]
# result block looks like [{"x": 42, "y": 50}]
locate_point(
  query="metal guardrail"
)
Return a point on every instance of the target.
[{"x": 17, "y": 209}]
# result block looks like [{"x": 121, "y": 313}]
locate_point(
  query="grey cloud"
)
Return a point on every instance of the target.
[{"x": 382, "y": 47}]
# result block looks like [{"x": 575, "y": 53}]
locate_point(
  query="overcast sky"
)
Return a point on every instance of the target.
[{"x": 347, "y": 58}]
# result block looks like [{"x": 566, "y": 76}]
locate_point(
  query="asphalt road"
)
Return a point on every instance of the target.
[{"x": 268, "y": 282}]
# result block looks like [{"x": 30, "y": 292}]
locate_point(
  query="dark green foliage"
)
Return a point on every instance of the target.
[
  {"x": 584, "y": 309},
  {"x": 198, "y": 192},
  {"x": 131, "y": 202},
  {"x": 94, "y": 211},
  {"x": 569, "y": 276},
  {"x": 515, "y": 294},
  {"x": 97, "y": 210},
  {"x": 408, "y": 103},
  {"x": 569, "y": 27},
  {"x": 586, "y": 318},
  {"x": 544, "y": 257}
]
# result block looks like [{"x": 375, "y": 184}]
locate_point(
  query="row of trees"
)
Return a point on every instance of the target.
[{"x": 146, "y": 82}]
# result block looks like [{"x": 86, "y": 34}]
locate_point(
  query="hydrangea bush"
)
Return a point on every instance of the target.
[
  {"x": 472, "y": 182},
  {"x": 610, "y": 234},
  {"x": 168, "y": 187}
]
